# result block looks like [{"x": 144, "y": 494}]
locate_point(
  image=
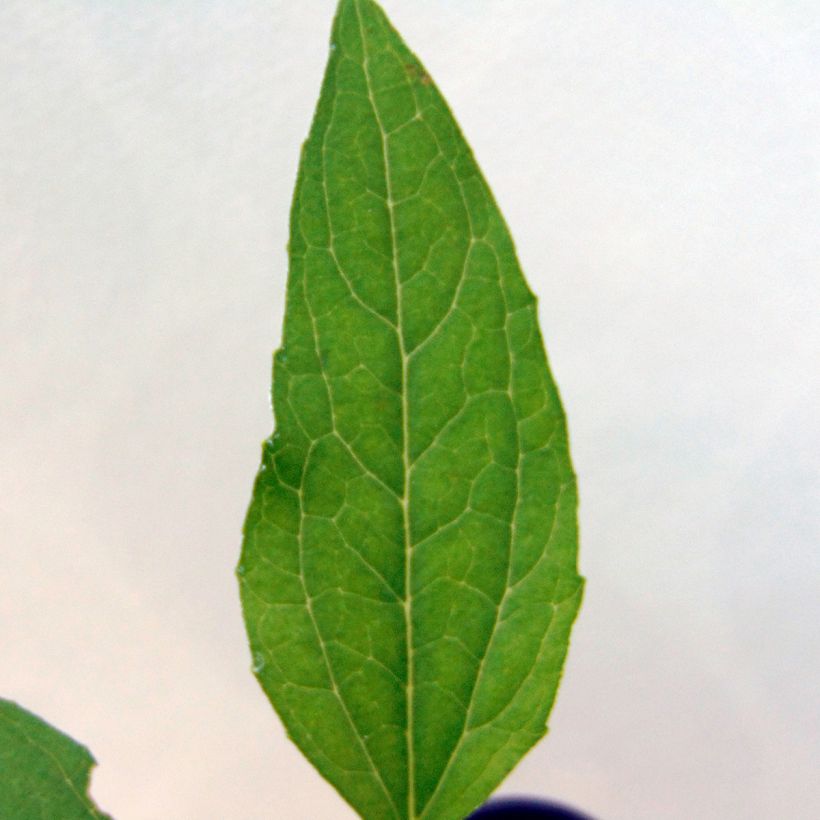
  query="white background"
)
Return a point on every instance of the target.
[{"x": 659, "y": 166}]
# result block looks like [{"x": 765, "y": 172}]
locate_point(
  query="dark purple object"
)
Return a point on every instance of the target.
[{"x": 525, "y": 810}]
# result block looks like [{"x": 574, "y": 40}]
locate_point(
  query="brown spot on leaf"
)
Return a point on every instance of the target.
[{"x": 417, "y": 73}]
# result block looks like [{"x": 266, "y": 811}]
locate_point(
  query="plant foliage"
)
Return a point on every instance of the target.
[
  {"x": 43, "y": 773},
  {"x": 408, "y": 573}
]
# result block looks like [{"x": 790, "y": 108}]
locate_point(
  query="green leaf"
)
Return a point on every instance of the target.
[
  {"x": 43, "y": 773},
  {"x": 408, "y": 573}
]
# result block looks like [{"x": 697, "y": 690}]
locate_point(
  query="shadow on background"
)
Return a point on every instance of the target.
[{"x": 522, "y": 809}]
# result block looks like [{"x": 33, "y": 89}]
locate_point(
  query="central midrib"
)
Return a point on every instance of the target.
[{"x": 408, "y": 547}]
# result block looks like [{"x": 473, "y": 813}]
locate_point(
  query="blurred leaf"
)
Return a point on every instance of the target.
[{"x": 43, "y": 773}]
